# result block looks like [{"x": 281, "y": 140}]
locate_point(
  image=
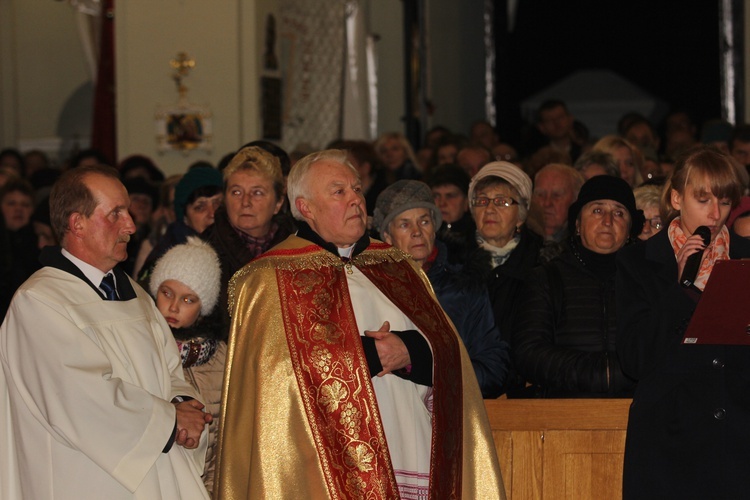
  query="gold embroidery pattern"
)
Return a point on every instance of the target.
[
  {"x": 351, "y": 419},
  {"x": 330, "y": 367},
  {"x": 331, "y": 396},
  {"x": 355, "y": 484},
  {"x": 360, "y": 455},
  {"x": 350, "y": 416},
  {"x": 305, "y": 282},
  {"x": 397, "y": 280},
  {"x": 309, "y": 256},
  {"x": 321, "y": 358}
]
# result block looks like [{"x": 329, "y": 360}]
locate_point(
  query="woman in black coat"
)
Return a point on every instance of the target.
[
  {"x": 503, "y": 250},
  {"x": 688, "y": 433},
  {"x": 564, "y": 336}
]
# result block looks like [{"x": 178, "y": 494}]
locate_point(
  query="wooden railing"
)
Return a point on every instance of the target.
[{"x": 560, "y": 448}]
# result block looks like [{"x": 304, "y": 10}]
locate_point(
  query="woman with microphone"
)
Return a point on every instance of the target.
[{"x": 689, "y": 426}]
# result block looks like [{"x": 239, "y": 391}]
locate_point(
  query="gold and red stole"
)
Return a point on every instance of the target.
[{"x": 333, "y": 376}]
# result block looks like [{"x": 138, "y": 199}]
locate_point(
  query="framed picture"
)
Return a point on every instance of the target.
[{"x": 184, "y": 128}]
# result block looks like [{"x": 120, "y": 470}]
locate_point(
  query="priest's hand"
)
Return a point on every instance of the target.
[
  {"x": 391, "y": 349},
  {"x": 191, "y": 421}
]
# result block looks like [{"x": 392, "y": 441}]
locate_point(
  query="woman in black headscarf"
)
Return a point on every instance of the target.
[{"x": 564, "y": 336}]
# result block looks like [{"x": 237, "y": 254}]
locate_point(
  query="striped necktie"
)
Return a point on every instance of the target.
[{"x": 108, "y": 286}]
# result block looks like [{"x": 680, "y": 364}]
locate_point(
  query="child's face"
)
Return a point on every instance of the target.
[{"x": 178, "y": 303}]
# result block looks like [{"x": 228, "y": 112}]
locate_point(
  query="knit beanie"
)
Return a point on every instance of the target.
[
  {"x": 607, "y": 187},
  {"x": 194, "y": 264},
  {"x": 508, "y": 172},
  {"x": 192, "y": 180},
  {"x": 401, "y": 196}
]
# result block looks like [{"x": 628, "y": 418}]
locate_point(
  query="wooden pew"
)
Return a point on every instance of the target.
[{"x": 560, "y": 448}]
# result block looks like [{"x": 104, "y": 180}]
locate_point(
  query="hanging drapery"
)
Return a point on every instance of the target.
[
  {"x": 359, "y": 113},
  {"x": 95, "y": 24},
  {"x": 328, "y": 73},
  {"x": 311, "y": 35},
  {"x": 732, "y": 64},
  {"x": 103, "y": 129},
  {"x": 489, "y": 62},
  {"x": 372, "y": 83},
  {"x": 88, "y": 21}
]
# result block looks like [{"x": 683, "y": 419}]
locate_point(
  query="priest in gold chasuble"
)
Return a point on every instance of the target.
[{"x": 345, "y": 379}]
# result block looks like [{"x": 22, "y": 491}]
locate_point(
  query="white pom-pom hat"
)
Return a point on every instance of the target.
[{"x": 196, "y": 265}]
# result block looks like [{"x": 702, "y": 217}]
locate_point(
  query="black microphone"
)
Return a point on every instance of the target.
[{"x": 694, "y": 261}]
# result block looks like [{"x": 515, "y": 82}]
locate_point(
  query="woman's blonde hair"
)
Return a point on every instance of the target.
[
  {"x": 260, "y": 161},
  {"x": 647, "y": 196},
  {"x": 403, "y": 141},
  {"x": 704, "y": 169},
  {"x": 611, "y": 143}
]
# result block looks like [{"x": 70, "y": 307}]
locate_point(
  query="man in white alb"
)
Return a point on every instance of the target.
[{"x": 92, "y": 398}]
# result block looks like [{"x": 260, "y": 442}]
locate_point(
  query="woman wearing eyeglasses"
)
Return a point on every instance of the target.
[
  {"x": 648, "y": 198},
  {"x": 564, "y": 335},
  {"x": 407, "y": 217},
  {"x": 505, "y": 250},
  {"x": 688, "y": 433}
]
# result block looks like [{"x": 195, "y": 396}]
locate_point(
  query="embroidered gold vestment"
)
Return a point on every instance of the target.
[{"x": 300, "y": 418}]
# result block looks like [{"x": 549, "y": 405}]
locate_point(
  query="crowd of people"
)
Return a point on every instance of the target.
[{"x": 335, "y": 317}]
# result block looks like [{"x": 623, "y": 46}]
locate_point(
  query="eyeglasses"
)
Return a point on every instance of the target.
[
  {"x": 499, "y": 201},
  {"x": 655, "y": 223}
]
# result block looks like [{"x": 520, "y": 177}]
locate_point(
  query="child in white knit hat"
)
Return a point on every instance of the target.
[{"x": 185, "y": 283}]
